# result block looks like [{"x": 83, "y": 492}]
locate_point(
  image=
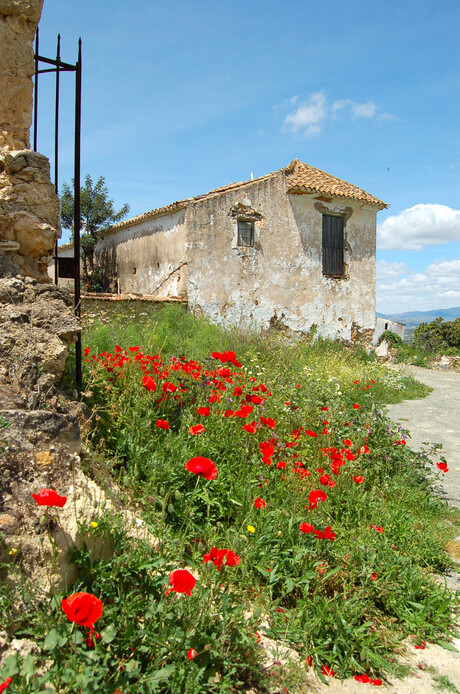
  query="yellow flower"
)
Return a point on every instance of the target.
[
  {"x": 93, "y": 524},
  {"x": 12, "y": 551},
  {"x": 251, "y": 529}
]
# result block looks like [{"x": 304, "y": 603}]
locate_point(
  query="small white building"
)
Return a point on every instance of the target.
[
  {"x": 382, "y": 324},
  {"x": 294, "y": 248}
]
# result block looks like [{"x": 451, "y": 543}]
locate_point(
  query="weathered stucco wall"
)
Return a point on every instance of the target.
[
  {"x": 148, "y": 258},
  {"x": 280, "y": 280}
]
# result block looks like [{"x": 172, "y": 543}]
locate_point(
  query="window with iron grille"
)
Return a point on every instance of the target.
[
  {"x": 332, "y": 241},
  {"x": 245, "y": 233}
]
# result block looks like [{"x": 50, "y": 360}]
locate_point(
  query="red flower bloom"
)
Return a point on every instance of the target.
[
  {"x": 359, "y": 479},
  {"x": 281, "y": 465},
  {"x": 203, "y": 467},
  {"x": 256, "y": 399},
  {"x": 5, "y": 684},
  {"x": 83, "y": 609},
  {"x": 244, "y": 411},
  {"x": 365, "y": 679},
  {"x": 325, "y": 534},
  {"x": 442, "y": 466},
  {"x": 168, "y": 387},
  {"x": 315, "y": 496},
  {"x": 259, "y": 503},
  {"x": 250, "y": 428},
  {"x": 356, "y": 407},
  {"x": 421, "y": 646},
  {"x": 48, "y": 497},
  {"x": 327, "y": 671},
  {"x": 149, "y": 383},
  {"x": 268, "y": 421},
  {"x": 197, "y": 429},
  {"x": 217, "y": 557},
  {"x": 306, "y": 528},
  {"x": 374, "y": 576},
  {"x": 191, "y": 654},
  {"x": 182, "y": 581},
  {"x": 325, "y": 479},
  {"x": 204, "y": 411},
  {"x": 163, "y": 424},
  {"x": 347, "y": 442},
  {"x": 311, "y": 433},
  {"x": 229, "y": 413},
  {"x": 378, "y": 528}
]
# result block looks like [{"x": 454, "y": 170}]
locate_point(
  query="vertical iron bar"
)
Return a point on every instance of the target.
[
  {"x": 36, "y": 92},
  {"x": 56, "y": 148},
  {"x": 76, "y": 246}
]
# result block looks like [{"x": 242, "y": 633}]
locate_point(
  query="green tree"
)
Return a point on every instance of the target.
[{"x": 97, "y": 214}]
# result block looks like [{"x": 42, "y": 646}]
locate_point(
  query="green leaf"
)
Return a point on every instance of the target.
[
  {"x": 28, "y": 667},
  {"x": 108, "y": 634},
  {"x": 10, "y": 667},
  {"x": 53, "y": 639},
  {"x": 161, "y": 675},
  {"x": 448, "y": 646},
  {"x": 237, "y": 503}
]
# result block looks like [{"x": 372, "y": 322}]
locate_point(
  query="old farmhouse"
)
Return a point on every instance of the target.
[{"x": 294, "y": 248}]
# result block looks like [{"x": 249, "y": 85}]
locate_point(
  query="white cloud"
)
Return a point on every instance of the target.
[
  {"x": 309, "y": 115},
  {"x": 419, "y": 226},
  {"x": 367, "y": 109},
  {"x": 399, "y": 289}
]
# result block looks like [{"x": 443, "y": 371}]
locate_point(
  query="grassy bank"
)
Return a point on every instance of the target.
[{"x": 268, "y": 470}]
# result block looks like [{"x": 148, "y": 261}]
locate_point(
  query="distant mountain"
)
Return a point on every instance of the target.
[{"x": 414, "y": 318}]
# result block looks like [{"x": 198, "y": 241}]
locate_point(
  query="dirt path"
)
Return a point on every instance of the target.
[{"x": 436, "y": 419}]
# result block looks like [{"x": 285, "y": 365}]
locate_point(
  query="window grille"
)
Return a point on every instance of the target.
[
  {"x": 332, "y": 241},
  {"x": 245, "y": 233}
]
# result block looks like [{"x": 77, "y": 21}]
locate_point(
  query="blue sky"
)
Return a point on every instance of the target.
[{"x": 183, "y": 96}]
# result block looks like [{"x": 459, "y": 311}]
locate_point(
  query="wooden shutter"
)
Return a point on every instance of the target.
[
  {"x": 245, "y": 233},
  {"x": 332, "y": 245}
]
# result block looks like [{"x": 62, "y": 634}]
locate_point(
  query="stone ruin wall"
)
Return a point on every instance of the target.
[{"x": 29, "y": 206}]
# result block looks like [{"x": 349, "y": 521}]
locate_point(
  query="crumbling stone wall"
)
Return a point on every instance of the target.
[{"x": 29, "y": 206}]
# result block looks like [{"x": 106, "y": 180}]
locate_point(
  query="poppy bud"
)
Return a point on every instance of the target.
[
  {"x": 162, "y": 491},
  {"x": 177, "y": 495},
  {"x": 171, "y": 508},
  {"x": 43, "y": 520}
]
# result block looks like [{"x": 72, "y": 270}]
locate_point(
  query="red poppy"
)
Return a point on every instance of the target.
[
  {"x": 365, "y": 679},
  {"x": 232, "y": 559},
  {"x": 203, "y": 467},
  {"x": 268, "y": 421},
  {"x": 259, "y": 503},
  {"x": 182, "y": 581},
  {"x": 217, "y": 557},
  {"x": 374, "y": 576},
  {"x": 250, "y": 428},
  {"x": 306, "y": 528},
  {"x": 421, "y": 646},
  {"x": 311, "y": 433},
  {"x": 327, "y": 671},
  {"x": 315, "y": 496},
  {"x": 281, "y": 465},
  {"x": 325, "y": 479},
  {"x": 5, "y": 684},
  {"x": 229, "y": 413},
  {"x": 347, "y": 442},
  {"x": 149, "y": 383},
  {"x": 163, "y": 424},
  {"x": 197, "y": 429},
  {"x": 256, "y": 399},
  {"x": 325, "y": 534},
  {"x": 191, "y": 654},
  {"x": 204, "y": 411},
  {"x": 378, "y": 528},
  {"x": 83, "y": 609},
  {"x": 244, "y": 411},
  {"x": 359, "y": 479},
  {"x": 442, "y": 466},
  {"x": 48, "y": 497},
  {"x": 356, "y": 407}
]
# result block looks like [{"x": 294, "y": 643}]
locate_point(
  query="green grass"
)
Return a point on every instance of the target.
[{"x": 345, "y": 602}]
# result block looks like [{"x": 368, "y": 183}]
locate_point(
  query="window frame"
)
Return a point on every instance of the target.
[
  {"x": 332, "y": 246},
  {"x": 240, "y": 236}
]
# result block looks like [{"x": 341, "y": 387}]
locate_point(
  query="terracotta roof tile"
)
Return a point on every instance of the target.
[
  {"x": 303, "y": 178},
  {"x": 300, "y": 178}
]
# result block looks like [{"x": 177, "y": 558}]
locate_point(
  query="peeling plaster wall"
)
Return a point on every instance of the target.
[
  {"x": 148, "y": 258},
  {"x": 280, "y": 280}
]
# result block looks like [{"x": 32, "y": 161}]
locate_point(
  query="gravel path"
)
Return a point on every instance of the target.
[{"x": 436, "y": 419}]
